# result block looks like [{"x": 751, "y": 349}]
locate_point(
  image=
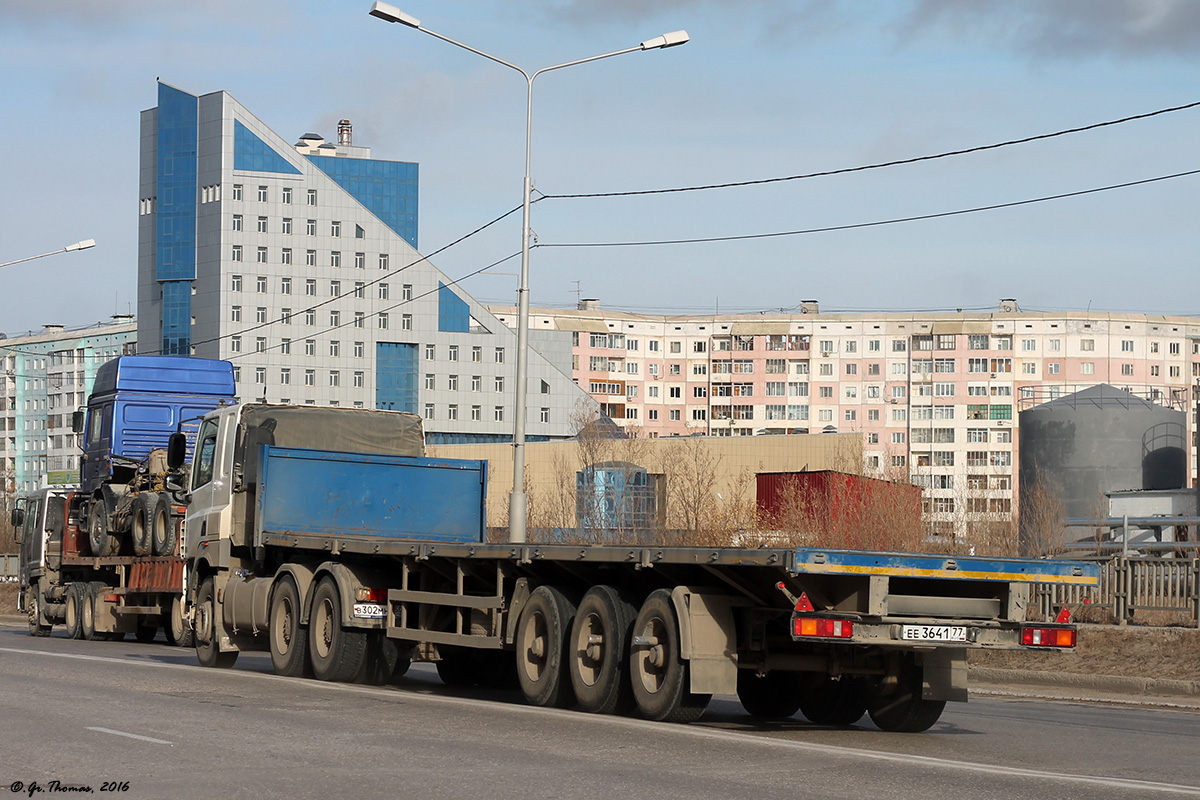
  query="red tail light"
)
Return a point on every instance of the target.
[
  {"x": 365, "y": 595},
  {"x": 822, "y": 628},
  {"x": 1044, "y": 636}
]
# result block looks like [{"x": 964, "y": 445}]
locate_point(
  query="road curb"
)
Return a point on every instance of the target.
[{"x": 1106, "y": 684}]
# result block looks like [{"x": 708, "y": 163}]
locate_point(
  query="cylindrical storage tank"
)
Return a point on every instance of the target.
[{"x": 1102, "y": 439}]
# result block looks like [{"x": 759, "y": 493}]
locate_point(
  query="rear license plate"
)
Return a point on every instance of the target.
[
  {"x": 369, "y": 611},
  {"x": 934, "y": 633}
]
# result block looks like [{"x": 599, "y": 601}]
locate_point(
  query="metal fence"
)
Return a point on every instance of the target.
[{"x": 1129, "y": 584}]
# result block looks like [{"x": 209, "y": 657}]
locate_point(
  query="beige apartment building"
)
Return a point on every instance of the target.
[{"x": 935, "y": 396}]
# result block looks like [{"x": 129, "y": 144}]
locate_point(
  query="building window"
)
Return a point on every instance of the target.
[
  {"x": 499, "y": 381},
  {"x": 235, "y": 313},
  {"x": 383, "y": 291},
  {"x": 312, "y": 197},
  {"x": 383, "y": 261},
  {"x": 235, "y": 283},
  {"x": 452, "y": 383},
  {"x": 237, "y": 222},
  {"x": 237, "y": 191},
  {"x": 545, "y": 415},
  {"x": 235, "y": 344},
  {"x": 310, "y": 377},
  {"x": 1127, "y": 369},
  {"x": 335, "y": 258},
  {"x": 383, "y": 320},
  {"x": 310, "y": 316},
  {"x": 430, "y": 352},
  {"x": 335, "y": 377},
  {"x": 262, "y": 194},
  {"x": 335, "y": 288},
  {"x": 261, "y": 258},
  {"x": 498, "y": 414},
  {"x": 285, "y": 346},
  {"x": 406, "y": 322},
  {"x": 359, "y": 379},
  {"x": 359, "y": 348},
  {"x": 335, "y": 349},
  {"x": 310, "y": 347},
  {"x": 310, "y": 258},
  {"x": 499, "y": 355},
  {"x": 260, "y": 314},
  {"x": 285, "y": 376},
  {"x": 310, "y": 227},
  {"x": 360, "y": 260},
  {"x": 476, "y": 413},
  {"x": 260, "y": 344},
  {"x": 236, "y": 255},
  {"x": 1127, "y": 345},
  {"x": 262, "y": 224}
]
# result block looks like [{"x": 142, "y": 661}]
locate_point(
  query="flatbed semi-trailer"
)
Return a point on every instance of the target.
[{"x": 326, "y": 538}]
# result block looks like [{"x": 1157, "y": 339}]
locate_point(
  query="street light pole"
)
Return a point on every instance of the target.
[
  {"x": 518, "y": 503},
  {"x": 84, "y": 245}
]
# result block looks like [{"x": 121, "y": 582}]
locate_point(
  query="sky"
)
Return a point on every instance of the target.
[{"x": 765, "y": 89}]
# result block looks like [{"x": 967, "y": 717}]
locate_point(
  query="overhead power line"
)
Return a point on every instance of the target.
[
  {"x": 881, "y": 165},
  {"x": 876, "y": 223}
]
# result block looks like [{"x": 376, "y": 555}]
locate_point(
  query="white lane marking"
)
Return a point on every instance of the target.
[
  {"x": 131, "y": 735},
  {"x": 692, "y": 731}
]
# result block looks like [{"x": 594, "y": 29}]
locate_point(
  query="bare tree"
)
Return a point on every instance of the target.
[{"x": 1041, "y": 513}]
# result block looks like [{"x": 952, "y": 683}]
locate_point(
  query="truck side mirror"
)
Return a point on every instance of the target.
[
  {"x": 77, "y": 420},
  {"x": 17, "y": 517},
  {"x": 176, "y": 450}
]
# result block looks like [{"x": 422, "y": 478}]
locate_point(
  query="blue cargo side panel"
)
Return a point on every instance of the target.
[
  {"x": 392, "y": 497},
  {"x": 912, "y": 565}
]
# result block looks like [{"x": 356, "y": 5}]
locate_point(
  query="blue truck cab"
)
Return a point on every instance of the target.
[{"x": 137, "y": 402}]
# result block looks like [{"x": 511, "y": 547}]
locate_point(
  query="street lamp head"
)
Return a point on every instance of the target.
[
  {"x": 84, "y": 245},
  {"x": 660, "y": 42},
  {"x": 389, "y": 13}
]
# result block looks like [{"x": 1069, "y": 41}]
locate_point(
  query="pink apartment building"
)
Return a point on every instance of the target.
[{"x": 936, "y": 396}]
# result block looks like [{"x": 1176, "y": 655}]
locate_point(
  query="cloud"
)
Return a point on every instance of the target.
[{"x": 1065, "y": 29}]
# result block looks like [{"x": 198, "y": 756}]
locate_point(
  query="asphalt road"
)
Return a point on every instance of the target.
[{"x": 147, "y": 717}]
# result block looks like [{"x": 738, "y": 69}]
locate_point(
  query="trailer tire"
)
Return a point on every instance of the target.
[
  {"x": 905, "y": 711},
  {"x": 337, "y": 652},
  {"x": 457, "y": 666},
  {"x": 33, "y": 604},
  {"x": 74, "y": 611},
  {"x": 141, "y": 521},
  {"x": 288, "y": 638},
  {"x": 774, "y": 696},
  {"x": 208, "y": 649},
  {"x": 100, "y": 538},
  {"x": 599, "y": 652},
  {"x": 146, "y": 631},
  {"x": 162, "y": 527},
  {"x": 829, "y": 702},
  {"x": 178, "y": 630},
  {"x": 87, "y": 623},
  {"x": 542, "y": 637},
  {"x": 660, "y": 676}
]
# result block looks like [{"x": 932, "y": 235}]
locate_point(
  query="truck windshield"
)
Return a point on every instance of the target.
[{"x": 206, "y": 451}]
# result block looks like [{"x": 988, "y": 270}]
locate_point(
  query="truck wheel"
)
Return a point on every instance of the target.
[
  {"x": 146, "y": 631},
  {"x": 33, "y": 605},
  {"x": 208, "y": 648},
  {"x": 905, "y": 711},
  {"x": 74, "y": 611},
  {"x": 599, "y": 651},
  {"x": 829, "y": 702},
  {"x": 288, "y": 638},
  {"x": 660, "y": 676},
  {"x": 87, "y": 622},
  {"x": 337, "y": 652},
  {"x": 774, "y": 696},
  {"x": 139, "y": 528},
  {"x": 102, "y": 541},
  {"x": 178, "y": 630},
  {"x": 162, "y": 527},
  {"x": 541, "y": 646}
]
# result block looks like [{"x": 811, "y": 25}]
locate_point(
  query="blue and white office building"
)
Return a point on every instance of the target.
[{"x": 299, "y": 263}]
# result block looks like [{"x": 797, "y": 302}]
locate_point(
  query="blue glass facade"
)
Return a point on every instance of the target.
[
  {"x": 175, "y": 235},
  {"x": 396, "y": 376},
  {"x": 252, "y": 153},
  {"x": 454, "y": 315},
  {"x": 387, "y": 188}
]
